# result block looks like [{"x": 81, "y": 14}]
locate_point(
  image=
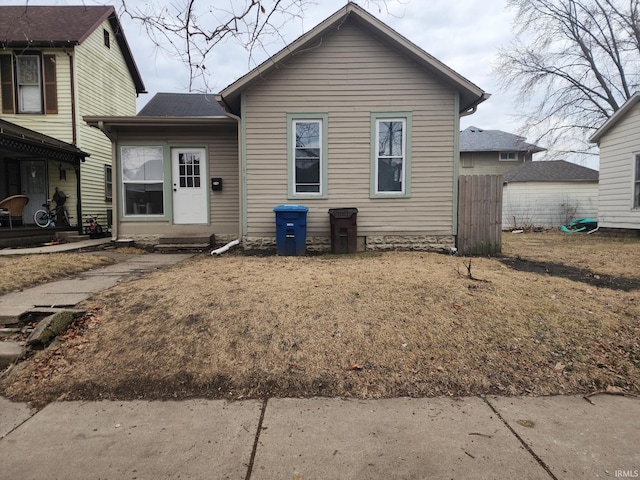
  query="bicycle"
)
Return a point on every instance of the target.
[
  {"x": 48, "y": 217},
  {"x": 92, "y": 227}
]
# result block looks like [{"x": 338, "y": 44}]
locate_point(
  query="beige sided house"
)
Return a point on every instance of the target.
[
  {"x": 493, "y": 152},
  {"x": 58, "y": 64},
  {"x": 619, "y": 186},
  {"x": 350, "y": 114}
]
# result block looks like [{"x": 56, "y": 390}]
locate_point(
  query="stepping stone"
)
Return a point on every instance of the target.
[{"x": 9, "y": 352}]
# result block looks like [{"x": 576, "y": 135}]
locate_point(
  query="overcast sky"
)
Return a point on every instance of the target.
[{"x": 465, "y": 35}]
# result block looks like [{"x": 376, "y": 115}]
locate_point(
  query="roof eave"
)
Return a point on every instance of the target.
[
  {"x": 126, "y": 52},
  {"x": 613, "y": 119},
  {"x": 137, "y": 121}
]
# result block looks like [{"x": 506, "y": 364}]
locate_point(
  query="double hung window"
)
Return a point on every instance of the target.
[
  {"x": 307, "y": 139},
  {"x": 391, "y": 136},
  {"x": 143, "y": 180}
]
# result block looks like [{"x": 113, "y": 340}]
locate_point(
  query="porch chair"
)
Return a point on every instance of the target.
[{"x": 13, "y": 207}]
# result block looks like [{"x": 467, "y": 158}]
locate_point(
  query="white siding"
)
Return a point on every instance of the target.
[
  {"x": 547, "y": 204},
  {"x": 349, "y": 75},
  {"x": 104, "y": 87},
  {"x": 617, "y": 156}
]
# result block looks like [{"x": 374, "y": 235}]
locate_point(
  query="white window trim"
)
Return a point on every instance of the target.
[
  {"x": 19, "y": 85},
  {"x": 406, "y": 119},
  {"x": 292, "y": 120}
]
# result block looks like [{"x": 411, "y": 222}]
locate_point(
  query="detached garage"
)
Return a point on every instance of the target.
[{"x": 548, "y": 194}]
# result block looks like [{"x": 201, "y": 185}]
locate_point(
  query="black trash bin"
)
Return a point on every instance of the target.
[
  {"x": 344, "y": 230},
  {"x": 291, "y": 229}
]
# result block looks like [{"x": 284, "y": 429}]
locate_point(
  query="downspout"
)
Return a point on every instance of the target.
[
  {"x": 74, "y": 141},
  {"x": 241, "y": 171},
  {"x": 114, "y": 184}
]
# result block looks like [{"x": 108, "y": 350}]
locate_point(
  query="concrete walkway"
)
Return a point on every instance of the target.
[
  {"x": 562, "y": 437},
  {"x": 433, "y": 438},
  {"x": 62, "y": 247}
]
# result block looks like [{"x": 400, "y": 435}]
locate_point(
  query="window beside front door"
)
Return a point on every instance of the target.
[
  {"x": 390, "y": 155},
  {"x": 29, "y": 83},
  {"x": 108, "y": 183},
  {"x": 143, "y": 180}
]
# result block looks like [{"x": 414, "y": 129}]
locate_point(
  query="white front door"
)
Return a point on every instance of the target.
[{"x": 189, "y": 167}]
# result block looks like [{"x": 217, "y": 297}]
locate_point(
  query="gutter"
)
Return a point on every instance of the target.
[
  {"x": 471, "y": 109},
  {"x": 241, "y": 170}
]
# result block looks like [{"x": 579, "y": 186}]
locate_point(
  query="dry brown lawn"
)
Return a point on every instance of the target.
[
  {"x": 558, "y": 314},
  {"x": 18, "y": 272}
]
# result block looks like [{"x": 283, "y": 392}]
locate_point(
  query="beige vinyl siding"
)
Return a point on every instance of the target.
[
  {"x": 104, "y": 87},
  {"x": 222, "y": 145},
  {"x": 348, "y": 76},
  {"x": 487, "y": 163},
  {"x": 57, "y": 125},
  {"x": 547, "y": 204},
  {"x": 617, "y": 162}
]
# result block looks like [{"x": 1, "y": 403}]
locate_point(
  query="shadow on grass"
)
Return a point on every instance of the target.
[{"x": 575, "y": 274}]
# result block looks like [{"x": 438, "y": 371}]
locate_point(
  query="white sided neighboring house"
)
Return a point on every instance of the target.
[
  {"x": 548, "y": 194},
  {"x": 619, "y": 187}
]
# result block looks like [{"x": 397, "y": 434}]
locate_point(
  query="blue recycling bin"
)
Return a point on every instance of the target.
[{"x": 291, "y": 229}]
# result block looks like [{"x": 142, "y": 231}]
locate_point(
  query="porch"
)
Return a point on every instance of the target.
[{"x": 28, "y": 236}]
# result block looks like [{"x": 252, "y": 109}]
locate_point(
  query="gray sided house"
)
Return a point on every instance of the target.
[
  {"x": 548, "y": 194},
  {"x": 351, "y": 114},
  {"x": 493, "y": 152},
  {"x": 619, "y": 188}
]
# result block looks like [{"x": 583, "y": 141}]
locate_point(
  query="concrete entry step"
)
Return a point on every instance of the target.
[
  {"x": 187, "y": 240},
  {"x": 182, "y": 247}
]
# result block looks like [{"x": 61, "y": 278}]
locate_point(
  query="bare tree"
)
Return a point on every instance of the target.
[
  {"x": 573, "y": 62},
  {"x": 190, "y": 30}
]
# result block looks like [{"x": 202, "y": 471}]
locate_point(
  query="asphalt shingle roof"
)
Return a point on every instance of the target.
[
  {"x": 551, "y": 171},
  {"x": 182, "y": 105},
  {"x": 474, "y": 139},
  {"x": 61, "y": 26}
]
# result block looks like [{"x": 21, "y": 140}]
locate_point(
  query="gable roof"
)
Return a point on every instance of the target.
[
  {"x": 62, "y": 26},
  {"x": 182, "y": 105},
  {"x": 615, "y": 118},
  {"x": 470, "y": 94},
  {"x": 551, "y": 171},
  {"x": 474, "y": 139}
]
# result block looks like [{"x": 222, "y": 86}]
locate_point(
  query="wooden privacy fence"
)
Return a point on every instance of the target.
[{"x": 479, "y": 214}]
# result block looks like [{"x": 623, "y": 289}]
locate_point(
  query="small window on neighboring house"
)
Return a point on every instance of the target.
[
  {"x": 307, "y": 155},
  {"x": 108, "y": 183},
  {"x": 107, "y": 40},
  {"x": 28, "y": 83},
  {"x": 636, "y": 184},
  {"x": 391, "y": 154},
  {"x": 508, "y": 156}
]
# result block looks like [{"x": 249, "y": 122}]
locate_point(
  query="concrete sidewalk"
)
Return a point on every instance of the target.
[
  {"x": 71, "y": 291},
  {"x": 563, "y": 437}
]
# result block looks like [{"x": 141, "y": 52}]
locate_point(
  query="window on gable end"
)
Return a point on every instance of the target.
[{"x": 107, "y": 38}]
